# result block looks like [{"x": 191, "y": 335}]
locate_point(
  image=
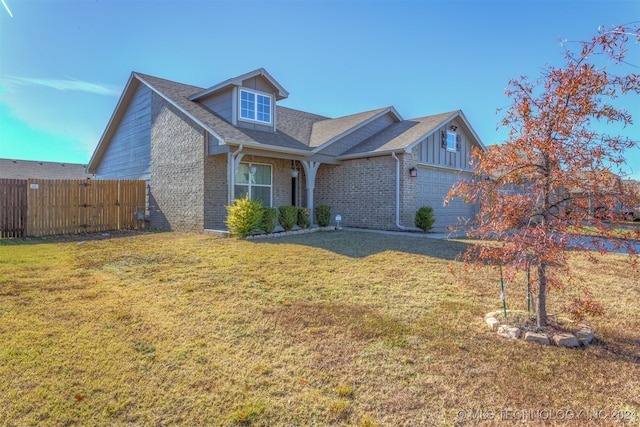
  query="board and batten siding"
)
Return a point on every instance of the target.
[
  {"x": 128, "y": 155},
  {"x": 432, "y": 153}
]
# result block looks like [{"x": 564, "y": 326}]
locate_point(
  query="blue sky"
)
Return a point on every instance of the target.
[{"x": 63, "y": 64}]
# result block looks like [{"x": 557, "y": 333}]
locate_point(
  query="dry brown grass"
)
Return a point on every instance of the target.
[{"x": 337, "y": 328}]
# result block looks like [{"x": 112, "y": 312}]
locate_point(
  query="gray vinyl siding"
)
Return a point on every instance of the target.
[
  {"x": 253, "y": 125},
  {"x": 345, "y": 144},
  {"x": 128, "y": 155},
  {"x": 221, "y": 104},
  {"x": 431, "y": 152},
  {"x": 258, "y": 83}
]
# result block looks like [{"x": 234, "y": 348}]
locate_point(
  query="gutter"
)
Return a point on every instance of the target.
[{"x": 398, "y": 225}]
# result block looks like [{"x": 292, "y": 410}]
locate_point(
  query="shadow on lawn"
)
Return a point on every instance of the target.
[{"x": 361, "y": 244}]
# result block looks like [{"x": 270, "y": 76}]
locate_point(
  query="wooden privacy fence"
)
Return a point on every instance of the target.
[
  {"x": 13, "y": 207},
  {"x": 40, "y": 207}
]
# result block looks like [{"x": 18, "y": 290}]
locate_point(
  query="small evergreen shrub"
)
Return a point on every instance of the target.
[
  {"x": 287, "y": 217},
  {"x": 323, "y": 215},
  {"x": 269, "y": 219},
  {"x": 303, "y": 218},
  {"x": 425, "y": 218},
  {"x": 244, "y": 216}
]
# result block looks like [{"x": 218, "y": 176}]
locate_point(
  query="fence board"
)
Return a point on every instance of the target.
[
  {"x": 13, "y": 207},
  {"x": 39, "y": 207}
]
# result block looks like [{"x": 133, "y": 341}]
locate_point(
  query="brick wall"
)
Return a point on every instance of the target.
[
  {"x": 216, "y": 186},
  {"x": 177, "y": 170},
  {"x": 361, "y": 190}
]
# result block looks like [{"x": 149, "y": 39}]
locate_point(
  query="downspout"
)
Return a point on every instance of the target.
[
  {"x": 231, "y": 161},
  {"x": 398, "y": 225}
]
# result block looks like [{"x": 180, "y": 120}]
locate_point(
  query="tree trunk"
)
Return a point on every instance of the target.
[{"x": 541, "y": 314}]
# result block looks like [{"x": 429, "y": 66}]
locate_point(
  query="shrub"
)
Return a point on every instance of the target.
[
  {"x": 303, "y": 218},
  {"x": 425, "y": 218},
  {"x": 287, "y": 217},
  {"x": 323, "y": 215},
  {"x": 269, "y": 219},
  {"x": 244, "y": 216}
]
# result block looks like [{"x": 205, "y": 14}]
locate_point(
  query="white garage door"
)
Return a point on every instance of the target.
[{"x": 433, "y": 186}]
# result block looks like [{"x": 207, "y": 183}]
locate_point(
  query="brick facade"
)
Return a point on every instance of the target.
[
  {"x": 176, "y": 188},
  {"x": 189, "y": 190},
  {"x": 362, "y": 191}
]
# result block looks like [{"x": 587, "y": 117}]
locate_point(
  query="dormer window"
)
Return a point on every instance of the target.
[{"x": 255, "y": 106}]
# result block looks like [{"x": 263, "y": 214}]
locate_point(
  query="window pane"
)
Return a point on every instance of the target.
[
  {"x": 247, "y": 105},
  {"x": 261, "y": 193},
  {"x": 451, "y": 141},
  {"x": 264, "y": 109},
  {"x": 262, "y": 175},
  {"x": 240, "y": 191},
  {"x": 242, "y": 174}
]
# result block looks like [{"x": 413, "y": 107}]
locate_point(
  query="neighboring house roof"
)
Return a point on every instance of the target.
[
  {"x": 25, "y": 169},
  {"x": 297, "y": 132}
]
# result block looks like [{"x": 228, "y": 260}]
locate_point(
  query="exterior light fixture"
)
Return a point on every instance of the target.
[
  {"x": 294, "y": 170},
  {"x": 338, "y": 219},
  {"x": 413, "y": 172},
  {"x": 253, "y": 170}
]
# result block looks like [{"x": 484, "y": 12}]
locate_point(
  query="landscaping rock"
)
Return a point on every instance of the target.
[
  {"x": 537, "y": 337},
  {"x": 566, "y": 340},
  {"x": 584, "y": 335},
  {"x": 509, "y": 332},
  {"x": 493, "y": 323}
]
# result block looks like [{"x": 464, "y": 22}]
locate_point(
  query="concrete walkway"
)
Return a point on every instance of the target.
[{"x": 429, "y": 235}]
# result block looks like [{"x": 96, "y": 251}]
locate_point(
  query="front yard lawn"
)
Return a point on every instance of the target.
[{"x": 329, "y": 328}]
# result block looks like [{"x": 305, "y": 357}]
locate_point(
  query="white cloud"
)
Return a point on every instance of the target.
[{"x": 11, "y": 83}]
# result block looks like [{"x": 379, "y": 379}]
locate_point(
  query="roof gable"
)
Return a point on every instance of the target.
[
  {"x": 280, "y": 92},
  {"x": 407, "y": 134}
]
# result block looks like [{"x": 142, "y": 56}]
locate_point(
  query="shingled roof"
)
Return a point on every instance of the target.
[
  {"x": 25, "y": 169},
  {"x": 401, "y": 135},
  {"x": 298, "y": 131}
]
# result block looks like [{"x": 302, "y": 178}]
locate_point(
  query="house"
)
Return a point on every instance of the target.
[
  {"x": 199, "y": 148},
  {"x": 25, "y": 169}
]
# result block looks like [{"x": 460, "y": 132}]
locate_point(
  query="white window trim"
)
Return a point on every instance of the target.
[
  {"x": 455, "y": 142},
  {"x": 249, "y": 184},
  {"x": 255, "y": 110}
]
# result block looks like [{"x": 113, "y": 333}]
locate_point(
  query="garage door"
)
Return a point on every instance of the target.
[{"x": 433, "y": 186}]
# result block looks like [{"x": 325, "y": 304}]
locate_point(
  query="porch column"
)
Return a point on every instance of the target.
[
  {"x": 310, "y": 169},
  {"x": 233, "y": 162}
]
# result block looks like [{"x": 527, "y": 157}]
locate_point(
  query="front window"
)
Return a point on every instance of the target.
[
  {"x": 451, "y": 141},
  {"x": 254, "y": 106},
  {"x": 257, "y": 184}
]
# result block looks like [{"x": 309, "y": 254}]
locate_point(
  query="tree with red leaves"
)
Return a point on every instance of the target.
[{"x": 552, "y": 185}]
